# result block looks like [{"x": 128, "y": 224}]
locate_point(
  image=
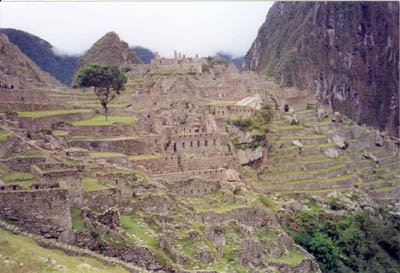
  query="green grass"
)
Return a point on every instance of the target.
[
  {"x": 385, "y": 189},
  {"x": 32, "y": 152},
  {"x": 312, "y": 191},
  {"x": 77, "y": 220},
  {"x": 324, "y": 145},
  {"x": 28, "y": 257},
  {"x": 40, "y": 114},
  {"x": 388, "y": 174},
  {"x": 100, "y": 120},
  {"x": 17, "y": 176},
  {"x": 267, "y": 202},
  {"x": 3, "y": 135},
  {"x": 288, "y": 127},
  {"x": 143, "y": 157},
  {"x": 294, "y": 258},
  {"x": 91, "y": 184},
  {"x": 314, "y": 171},
  {"x": 142, "y": 233},
  {"x": 374, "y": 182},
  {"x": 133, "y": 225},
  {"x": 105, "y": 154},
  {"x": 305, "y": 161},
  {"x": 290, "y": 137},
  {"x": 313, "y": 181},
  {"x": 291, "y": 157},
  {"x": 59, "y": 133}
]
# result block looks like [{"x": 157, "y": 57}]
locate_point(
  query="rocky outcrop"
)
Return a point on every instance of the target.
[
  {"x": 346, "y": 52},
  {"x": 254, "y": 102},
  {"x": 17, "y": 70},
  {"x": 248, "y": 156},
  {"x": 110, "y": 49}
]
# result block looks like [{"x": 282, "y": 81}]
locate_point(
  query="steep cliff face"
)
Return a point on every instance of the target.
[
  {"x": 61, "y": 67},
  {"x": 347, "y": 52},
  {"x": 108, "y": 50},
  {"x": 18, "y": 70}
]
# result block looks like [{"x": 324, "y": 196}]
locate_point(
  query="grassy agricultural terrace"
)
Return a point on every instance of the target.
[
  {"x": 40, "y": 114},
  {"x": 3, "y": 135},
  {"x": 100, "y": 120}
]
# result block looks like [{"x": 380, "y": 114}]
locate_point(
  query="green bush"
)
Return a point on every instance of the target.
[
  {"x": 358, "y": 243},
  {"x": 266, "y": 201},
  {"x": 267, "y": 113},
  {"x": 335, "y": 204}
]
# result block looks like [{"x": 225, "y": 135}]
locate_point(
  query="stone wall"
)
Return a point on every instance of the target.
[
  {"x": 104, "y": 131},
  {"x": 231, "y": 111},
  {"x": 172, "y": 66},
  {"x": 102, "y": 199},
  {"x": 44, "y": 211},
  {"x": 194, "y": 187},
  {"x": 386, "y": 197},
  {"x": 142, "y": 101},
  {"x": 213, "y": 174},
  {"x": 201, "y": 163},
  {"x": 125, "y": 146},
  {"x": 22, "y": 107},
  {"x": 122, "y": 181},
  {"x": 310, "y": 186},
  {"x": 36, "y": 124},
  {"x": 23, "y": 96},
  {"x": 195, "y": 142},
  {"x": 68, "y": 175},
  {"x": 6, "y": 145},
  {"x": 162, "y": 164},
  {"x": 22, "y": 163}
]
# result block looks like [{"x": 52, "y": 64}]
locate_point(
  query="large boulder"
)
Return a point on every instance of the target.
[
  {"x": 297, "y": 143},
  {"x": 339, "y": 141},
  {"x": 246, "y": 136},
  {"x": 331, "y": 153},
  {"x": 254, "y": 102},
  {"x": 379, "y": 139},
  {"x": 67, "y": 237},
  {"x": 320, "y": 113},
  {"x": 232, "y": 175},
  {"x": 249, "y": 155}
]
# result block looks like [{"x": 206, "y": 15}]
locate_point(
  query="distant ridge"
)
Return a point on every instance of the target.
[
  {"x": 40, "y": 51},
  {"x": 18, "y": 69},
  {"x": 145, "y": 54}
]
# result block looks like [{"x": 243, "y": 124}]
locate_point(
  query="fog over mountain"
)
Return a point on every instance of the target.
[{"x": 190, "y": 27}]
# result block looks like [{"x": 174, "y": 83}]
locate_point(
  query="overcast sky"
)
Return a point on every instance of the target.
[{"x": 189, "y": 27}]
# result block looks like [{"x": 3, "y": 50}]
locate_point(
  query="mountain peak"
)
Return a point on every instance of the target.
[
  {"x": 4, "y": 38},
  {"x": 43, "y": 54},
  {"x": 109, "y": 49},
  {"x": 18, "y": 69}
]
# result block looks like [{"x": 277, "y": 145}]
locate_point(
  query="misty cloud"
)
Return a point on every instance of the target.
[{"x": 190, "y": 27}]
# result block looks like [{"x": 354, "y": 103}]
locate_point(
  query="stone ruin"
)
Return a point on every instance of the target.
[{"x": 180, "y": 142}]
